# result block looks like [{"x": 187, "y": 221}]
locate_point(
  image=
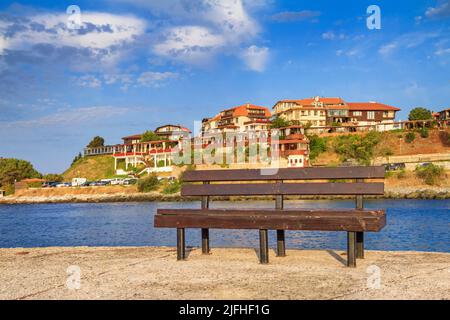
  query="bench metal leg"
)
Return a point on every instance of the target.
[
  {"x": 263, "y": 247},
  {"x": 205, "y": 241},
  {"x": 360, "y": 245},
  {"x": 181, "y": 248},
  {"x": 281, "y": 245},
  {"x": 351, "y": 249}
]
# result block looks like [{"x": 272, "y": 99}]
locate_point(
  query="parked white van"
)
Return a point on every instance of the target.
[{"x": 78, "y": 182}]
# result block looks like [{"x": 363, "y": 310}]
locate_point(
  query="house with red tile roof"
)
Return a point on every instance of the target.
[
  {"x": 243, "y": 118},
  {"x": 323, "y": 111}
]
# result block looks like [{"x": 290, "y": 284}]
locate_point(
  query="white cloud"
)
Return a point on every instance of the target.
[
  {"x": 98, "y": 31},
  {"x": 204, "y": 29},
  {"x": 189, "y": 44},
  {"x": 441, "y": 52},
  {"x": 387, "y": 48},
  {"x": 256, "y": 58},
  {"x": 101, "y": 36},
  {"x": 155, "y": 79},
  {"x": 330, "y": 35},
  {"x": 71, "y": 117},
  {"x": 441, "y": 11},
  {"x": 88, "y": 81},
  {"x": 409, "y": 40},
  {"x": 2, "y": 44}
]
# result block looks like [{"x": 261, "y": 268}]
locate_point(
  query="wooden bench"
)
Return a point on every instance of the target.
[{"x": 286, "y": 181}]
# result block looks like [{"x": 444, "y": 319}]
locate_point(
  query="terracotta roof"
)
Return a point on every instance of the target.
[
  {"x": 243, "y": 110},
  {"x": 371, "y": 106},
  {"x": 173, "y": 125}
]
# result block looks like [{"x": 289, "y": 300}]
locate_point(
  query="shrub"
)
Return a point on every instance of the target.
[
  {"x": 410, "y": 136},
  {"x": 53, "y": 177},
  {"x": 401, "y": 174},
  {"x": 172, "y": 187},
  {"x": 148, "y": 184},
  {"x": 424, "y": 133},
  {"x": 430, "y": 174},
  {"x": 317, "y": 145},
  {"x": 357, "y": 147}
]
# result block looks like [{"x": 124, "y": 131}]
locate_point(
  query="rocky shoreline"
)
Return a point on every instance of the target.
[{"x": 390, "y": 193}]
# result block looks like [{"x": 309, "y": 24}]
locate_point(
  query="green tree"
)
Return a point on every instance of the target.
[
  {"x": 96, "y": 142},
  {"x": 420, "y": 113},
  {"x": 149, "y": 136},
  {"x": 317, "y": 145},
  {"x": 359, "y": 148},
  {"x": 77, "y": 157},
  {"x": 12, "y": 170},
  {"x": 279, "y": 122}
]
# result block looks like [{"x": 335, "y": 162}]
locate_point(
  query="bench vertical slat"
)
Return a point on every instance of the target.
[
  {"x": 351, "y": 249},
  {"x": 281, "y": 243},
  {"x": 360, "y": 235},
  {"x": 205, "y": 232},
  {"x": 263, "y": 246},
  {"x": 181, "y": 248}
]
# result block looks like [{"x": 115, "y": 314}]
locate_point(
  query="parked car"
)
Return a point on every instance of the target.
[
  {"x": 129, "y": 181},
  {"x": 98, "y": 183},
  {"x": 394, "y": 166},
  {"x": 425, "y": 164},
  {"x": 49, "y": 184},
  {"x": 117, "y": 181},
  {"x": 64, "y": 185}
]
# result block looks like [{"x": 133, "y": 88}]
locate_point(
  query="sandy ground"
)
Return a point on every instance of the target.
[{"x": 154, "y": 273}]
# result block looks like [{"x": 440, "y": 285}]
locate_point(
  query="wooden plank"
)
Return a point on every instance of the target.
[
  {"x": 250, "y": 189},
  {"x": 376, "y": 172},
  {"x": 355, "y": 223},
  {"x": 351, "y": 249},
  {"x": 269, "y": 212}
]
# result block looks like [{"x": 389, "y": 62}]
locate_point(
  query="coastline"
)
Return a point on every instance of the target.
[
  {"x": 391, "y": 192},
  {"x": 227, "y": 273}
]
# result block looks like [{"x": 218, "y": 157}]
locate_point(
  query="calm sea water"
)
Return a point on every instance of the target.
[{"x": 422, "y": 225}]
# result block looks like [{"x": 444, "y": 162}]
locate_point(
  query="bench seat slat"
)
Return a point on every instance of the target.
[
  {"x": 251, "y": 189},
  {"x": 376, "y": 172},
  {"x": 351, "y": 220}
]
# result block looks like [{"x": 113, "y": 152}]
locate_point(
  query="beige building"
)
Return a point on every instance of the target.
[
  {"x": 328, "y": 112},
  {"x": 312, "y": 111}
]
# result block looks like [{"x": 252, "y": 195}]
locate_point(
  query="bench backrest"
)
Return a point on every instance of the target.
[{"x": 215, "y": 182}]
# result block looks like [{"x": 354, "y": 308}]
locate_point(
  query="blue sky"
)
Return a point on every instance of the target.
[{"x": 135, "y": 64}]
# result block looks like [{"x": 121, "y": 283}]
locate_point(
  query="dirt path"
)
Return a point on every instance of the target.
[{"x": 153, "y": 273}]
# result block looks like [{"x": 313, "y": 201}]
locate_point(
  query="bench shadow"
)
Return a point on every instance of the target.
[
  {"x": 188, "y": 250},
  {"x": 337, "y": 257}
]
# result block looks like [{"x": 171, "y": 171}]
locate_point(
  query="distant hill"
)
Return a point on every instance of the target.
[{"x": 91, "y": 168}]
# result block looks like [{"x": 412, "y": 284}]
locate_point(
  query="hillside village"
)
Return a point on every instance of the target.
[
  {"x": 318, "y": 131},
  {"x": 295, "y": 122}
]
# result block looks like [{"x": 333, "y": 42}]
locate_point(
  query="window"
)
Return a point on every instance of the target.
[
  {"x": 357, "y": 113},
  {"x": 370, "y": 115}
]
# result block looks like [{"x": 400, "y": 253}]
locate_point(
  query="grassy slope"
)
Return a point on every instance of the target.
[
  {"x": 92, "y": 168},
  {"x": 395, "y": 143}
]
